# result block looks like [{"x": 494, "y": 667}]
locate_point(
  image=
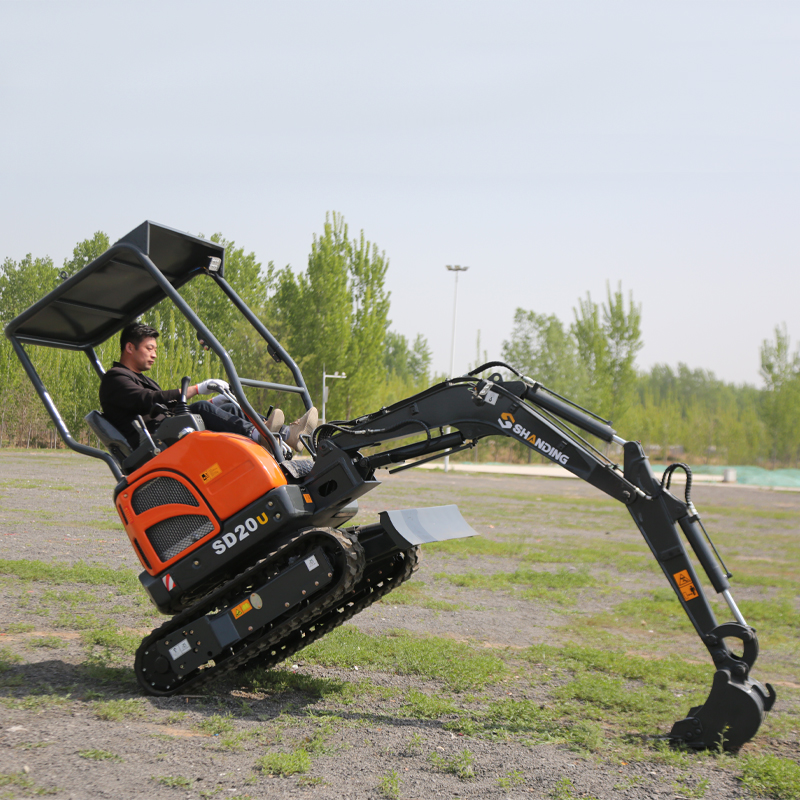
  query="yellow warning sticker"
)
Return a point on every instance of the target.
[
  {"x": 307, "y": 497},
  {"x": 685, "y": 585},
  {"x": 242, "y": 609},
  {"x": 211, "y": 473}
]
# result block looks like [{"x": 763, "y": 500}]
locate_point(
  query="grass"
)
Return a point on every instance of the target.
[
  {"x": 176, "y": 781},
  {"x": 642, "y": 707},
  {"x": 20, "y": 781},
  {"x": 8, "y": 658},
  {"x": 461, "y": 765},
  {"x": 22, "y": 483},
  {"x": 285, "y": 764},
  {"x": 458, "y": 665},
  {"x": 658, "y": 610},
  {"x": 46, "y": 641},
  {"x": 619, "y": 555},
  {"x": 525, "y": 719},
  {"x": 112, "y": 640},
  {"x": 59, "y": 573},
  {"x": 530, "y": 584},
  {"x": 116, "y": 710},
  {"x": 627, "y": 692},
  {"x": 389, "y": 785},
  {"x": 99, "y": 755},
  {"x": 425, "y": 706},
  {"x": 661, "y": 672},
  {"x": 281, "y": 681},
  {"x": 41, "y": 700},
  {"x": 414, "y": 594},
  {"x": 103, "y": 525},
  {"x": 77, "y": 622},
  {"x": 511, "y": 779},
  {"x": 771, "y": 775},
  {"x": 691, "y": 788},
  {"x": 71, "y": 598},
  {"x": 319, "y": 742},
  {"x": 19, "y": 627},
  {"x": 215, "y": 725},
  {"x": 564, "y": 789}
]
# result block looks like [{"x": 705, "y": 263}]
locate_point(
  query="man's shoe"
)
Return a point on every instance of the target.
[
  {"x": 275, "y": 421},
  {"x": 274, "y": 424},
  {"x": 302, "y": 427}
]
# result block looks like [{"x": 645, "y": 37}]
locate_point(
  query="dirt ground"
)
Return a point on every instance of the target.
[{"x": 68, "y": 732}]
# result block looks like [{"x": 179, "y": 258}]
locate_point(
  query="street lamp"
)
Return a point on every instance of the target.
[
  {"x": 455, "y": 269},
  {"x": 325, "y": 388}
]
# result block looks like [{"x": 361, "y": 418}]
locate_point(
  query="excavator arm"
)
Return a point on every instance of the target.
[{"x": 454, "y": 415}]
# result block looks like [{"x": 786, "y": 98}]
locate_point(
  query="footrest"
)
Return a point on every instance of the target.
[{"x": 298, "y": 468}]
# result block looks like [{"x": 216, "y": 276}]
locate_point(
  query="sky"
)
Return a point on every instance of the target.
[{"x": 554, "y": 148}]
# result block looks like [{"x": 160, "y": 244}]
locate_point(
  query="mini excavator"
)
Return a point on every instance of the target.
[{"x": 246, "y": 549}]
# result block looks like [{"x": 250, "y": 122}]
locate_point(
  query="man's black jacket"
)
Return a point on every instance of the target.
[{"x": 124, "y": 394}]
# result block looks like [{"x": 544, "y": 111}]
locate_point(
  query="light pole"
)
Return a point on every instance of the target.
[
  {"x": 455, "y": 269},
  {"x": 325, "y": 388}
]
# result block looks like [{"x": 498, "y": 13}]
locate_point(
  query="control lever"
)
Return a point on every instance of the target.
[
  {"x": 144, "y": 434},
  {"x": 182, "y": 407}
]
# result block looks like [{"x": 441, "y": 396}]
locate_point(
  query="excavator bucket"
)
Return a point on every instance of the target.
[
  {"x": 736, "y": 706},
  {"x": 730, "y": 716}
]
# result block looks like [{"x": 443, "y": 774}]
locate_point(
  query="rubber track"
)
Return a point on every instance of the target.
[
  {"x": 353, "y": 555},
  {"x": 362, "y": 597}
]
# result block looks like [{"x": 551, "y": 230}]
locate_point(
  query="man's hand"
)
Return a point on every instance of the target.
[{"x": 213, "y": 385}]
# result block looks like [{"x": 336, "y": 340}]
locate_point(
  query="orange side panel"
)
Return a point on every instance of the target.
[
  {"x": 223, "y": 472},
  {"x": 138, "y": 524},
  {"x": 230, "y": 471}
]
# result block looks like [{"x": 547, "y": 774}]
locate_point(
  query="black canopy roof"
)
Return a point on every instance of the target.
[{"x": 116, "y": 287}]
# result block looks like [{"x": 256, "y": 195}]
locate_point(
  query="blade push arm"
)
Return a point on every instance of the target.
[{"x": 525, "y": 412}]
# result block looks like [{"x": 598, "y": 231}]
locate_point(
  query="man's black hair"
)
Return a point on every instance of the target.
[{"x": 135, "y": 333}]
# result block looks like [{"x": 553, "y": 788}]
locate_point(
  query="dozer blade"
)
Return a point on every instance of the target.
[
  {"x": 416, "y": 526},
  {"x": 730, "y": 716}
]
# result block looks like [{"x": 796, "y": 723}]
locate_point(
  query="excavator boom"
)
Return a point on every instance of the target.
[{"x": 471, "y": 408}]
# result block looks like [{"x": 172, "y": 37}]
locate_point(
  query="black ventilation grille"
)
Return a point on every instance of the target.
[
  {"x": 161, "y": 492},
  {"x": 174, "y": 535}
]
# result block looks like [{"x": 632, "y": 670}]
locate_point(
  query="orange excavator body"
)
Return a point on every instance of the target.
[{"x": 189, "y": 490}]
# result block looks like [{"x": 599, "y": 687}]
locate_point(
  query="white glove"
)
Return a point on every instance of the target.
[
  {"x": 220, "y": 399},
  {"x": 212, "y": 385}
]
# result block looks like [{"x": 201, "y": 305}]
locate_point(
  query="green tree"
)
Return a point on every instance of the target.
[
  {"x": 335, "y": 317},
  {"x": 85, "y": 252},
  {"x": 396, "y": 357},
  {"x": 314, "y": 310},
  {"x": 607, "y": 341},
  {"x": 419, "y": 363},
  {"x": 22, "y": 283},
  {"x": 542, "y": 348},
  {"x": 370, "y": 319},
  {"x": 780, "y": 369}
]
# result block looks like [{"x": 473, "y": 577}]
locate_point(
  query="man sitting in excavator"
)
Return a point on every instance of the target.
[{"x": 126, "y": 393}]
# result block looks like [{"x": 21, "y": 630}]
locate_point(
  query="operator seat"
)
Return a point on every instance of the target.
[
  {"x": 114, "y": 441},
  {"x": 129, "y": 460}
]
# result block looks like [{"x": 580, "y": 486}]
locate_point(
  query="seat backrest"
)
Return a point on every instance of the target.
[{"x": 114, "y": 441}]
